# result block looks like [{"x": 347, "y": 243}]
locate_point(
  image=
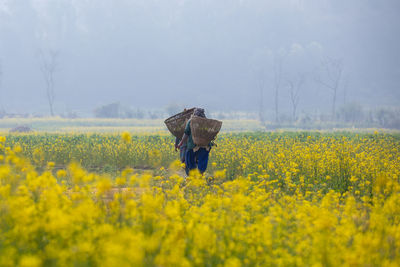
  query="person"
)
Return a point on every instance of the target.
[
  {"x": 182, "y": 149},
  {"x": 195, "y": 157}
]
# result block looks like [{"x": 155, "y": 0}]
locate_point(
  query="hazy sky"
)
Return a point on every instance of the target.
[{"x": 150, "y": 53}]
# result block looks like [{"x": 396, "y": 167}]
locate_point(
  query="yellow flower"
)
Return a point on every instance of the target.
[
  {"x": 220, "y": 174},
  {"x": 126, "y": 137},
  {"x": 50, "y": 164},
  {"x": 175, "y": 165},
  {"x": 332, "y": 200},
  {"x": 120, "y": 181},
  {"x": 30, "y": 261},
  {"x": 103, "y": 186},
  {"x": 61, "y": 173}
]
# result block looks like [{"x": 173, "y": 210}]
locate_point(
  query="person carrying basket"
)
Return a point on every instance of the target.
[{"x": 195, "y": 156}]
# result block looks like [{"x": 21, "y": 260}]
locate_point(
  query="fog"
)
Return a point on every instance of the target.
[{"x": 224, "y": 55}]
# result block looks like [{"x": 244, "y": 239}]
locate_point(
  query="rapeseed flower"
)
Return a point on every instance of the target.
[
  {"x": 126, "y": 137},
  {"x": 279, "y": 200}
]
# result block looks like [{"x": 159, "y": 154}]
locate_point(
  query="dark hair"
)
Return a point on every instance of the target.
[{"x": 199, "y": 112}]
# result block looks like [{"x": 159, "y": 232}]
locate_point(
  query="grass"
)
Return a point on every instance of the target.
[
  {"x": 94, "y": 125},
  {"x": 111, "y": 125}
]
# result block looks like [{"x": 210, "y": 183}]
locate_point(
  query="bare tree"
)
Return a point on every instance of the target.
[
  {"x": 1, "y": 73},
  {"x": 345, "y": 84},
  {"x": 260, "y": 63},
  {"x": 278, "y": 61},
  {"x": 48, "y": 66},
  {"x": 330, "y": 78},
  {"x": 2, "y": 110},
  {"x": 261, "y": 81},
  {"x": 295, "y": 85}
]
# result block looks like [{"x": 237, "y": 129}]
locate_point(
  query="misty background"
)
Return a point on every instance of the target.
[{"x": 259, "y": 56}]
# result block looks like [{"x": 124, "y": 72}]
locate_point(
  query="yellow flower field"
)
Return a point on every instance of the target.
[{"x": 268, "y": 199}]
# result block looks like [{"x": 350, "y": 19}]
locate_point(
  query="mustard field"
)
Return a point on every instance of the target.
[{"x": 267, "y": 199}]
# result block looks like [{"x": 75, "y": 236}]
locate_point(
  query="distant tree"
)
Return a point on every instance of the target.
[
  {"x": 261, "y": 61},
  {"x": 2, "y": 111},
  {"x": 139, "y": 114},
  {"x": 351, "y": 112},
  {"x": 330, "y": 77},
  {"x": 131, "y": 113},
  {"x": 295, "y": 84},
  {"x": 264, "y": 60},
  {"x": 48, "y": 66},
  {"x": 277, "y": 70},
  {"x": 155, "y": 115},
  {"x": 388, "y": 117},
  {"x": 345, "y": 84},
  {"x": 261, "y": 82},
  {"x": 108, "y": 111}
]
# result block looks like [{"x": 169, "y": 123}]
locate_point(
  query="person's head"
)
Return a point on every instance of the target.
[{"x": 199, "y": 112}]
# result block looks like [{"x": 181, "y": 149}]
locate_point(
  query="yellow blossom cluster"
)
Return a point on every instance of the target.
[{"x": 269, "y": 199}]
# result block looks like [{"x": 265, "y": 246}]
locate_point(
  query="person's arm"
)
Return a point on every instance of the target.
[
  {"x": 177, "y": 140},
  {"x": 185, "y": 135},
  {"x": 183, "y": 141}
]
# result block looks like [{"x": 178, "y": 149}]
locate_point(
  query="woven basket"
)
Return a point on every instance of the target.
[
  {"x": 204, "y": 130},
  {"x": 176, "y": 124}
]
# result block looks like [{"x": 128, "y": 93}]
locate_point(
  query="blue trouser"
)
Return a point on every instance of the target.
[{"x": 198, "y": 159}]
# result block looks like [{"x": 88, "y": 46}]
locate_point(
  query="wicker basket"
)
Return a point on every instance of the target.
[
  {"x": 176, "y": 124},
  {"x": 204, "y": 130}
]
